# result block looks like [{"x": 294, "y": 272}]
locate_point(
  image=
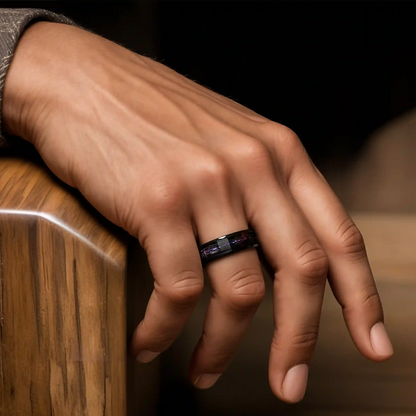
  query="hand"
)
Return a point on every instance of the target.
[{"x": 174, "y": 163}]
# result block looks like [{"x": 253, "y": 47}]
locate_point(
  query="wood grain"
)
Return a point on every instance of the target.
[{"x": 62, "y": 300}]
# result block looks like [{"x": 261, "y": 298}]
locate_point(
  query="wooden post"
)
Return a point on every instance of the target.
[{"x": 62, "y": 300}]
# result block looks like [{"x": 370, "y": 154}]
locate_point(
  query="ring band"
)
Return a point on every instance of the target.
[{"x": 227, "y": 244}]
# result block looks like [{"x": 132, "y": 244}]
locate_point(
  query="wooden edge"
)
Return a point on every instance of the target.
[{"x": 27, "y": 187}]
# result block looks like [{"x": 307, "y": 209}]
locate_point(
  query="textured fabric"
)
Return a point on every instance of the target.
[{"x": 13, "y": 22}]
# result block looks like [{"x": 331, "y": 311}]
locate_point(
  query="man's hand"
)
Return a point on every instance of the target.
[{"x": 174, "y": 163}]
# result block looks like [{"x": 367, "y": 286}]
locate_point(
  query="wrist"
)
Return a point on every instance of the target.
[{"x": 32, "y": 86}]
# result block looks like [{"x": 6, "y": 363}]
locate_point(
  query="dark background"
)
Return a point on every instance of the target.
[{"x": 332, "y": 71}]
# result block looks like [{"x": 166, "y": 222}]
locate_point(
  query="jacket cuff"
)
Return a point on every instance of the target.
[{"x": 13, "y": 23}]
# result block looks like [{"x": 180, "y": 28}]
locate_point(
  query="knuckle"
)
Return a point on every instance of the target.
[
  {"x": 282, "y": 135},
  {"x": 371, "y": 300},
  {"x": 350, "y": 241},
  {"x": 289, "y": 136},
  {"x": 286, "y": 146},
  {"x": 311, "y": 260},
  {"x": 211, "y": 171},
  {"x": 246, "y": 289},
  {"x": 254, "y": 153},
  {"x": 305, "y": 341},
  {"x": 367, "y": 302},
  {"x": 165, "y": 195},
  {"x": 185, "y": 288},
  {"x": 159, "y": 340}
]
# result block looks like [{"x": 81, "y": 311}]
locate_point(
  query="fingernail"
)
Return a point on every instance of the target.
[
  {"x": 146, "y": 356},
  {"x": 294, "y": 384},
  {"x": 380, "y": 341},
  {"x": 206, "y": 380}
]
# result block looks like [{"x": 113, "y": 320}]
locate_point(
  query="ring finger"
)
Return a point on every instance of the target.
[{"x": 237, "y": 289}]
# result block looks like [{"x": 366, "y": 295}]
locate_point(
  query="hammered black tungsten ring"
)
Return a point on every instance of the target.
[{"x": 227, "y": 244}]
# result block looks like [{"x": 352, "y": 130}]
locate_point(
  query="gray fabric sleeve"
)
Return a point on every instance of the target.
[{"x": 13, "y": 22}]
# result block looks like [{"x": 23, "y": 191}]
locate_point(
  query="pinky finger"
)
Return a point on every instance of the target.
[{"x": 350, "y": 274}]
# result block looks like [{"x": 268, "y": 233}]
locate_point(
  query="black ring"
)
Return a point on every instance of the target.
[{"x": 227, "y": 244}]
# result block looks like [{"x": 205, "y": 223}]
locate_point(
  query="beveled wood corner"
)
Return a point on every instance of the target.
[{"x": 62, "y": 299}]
